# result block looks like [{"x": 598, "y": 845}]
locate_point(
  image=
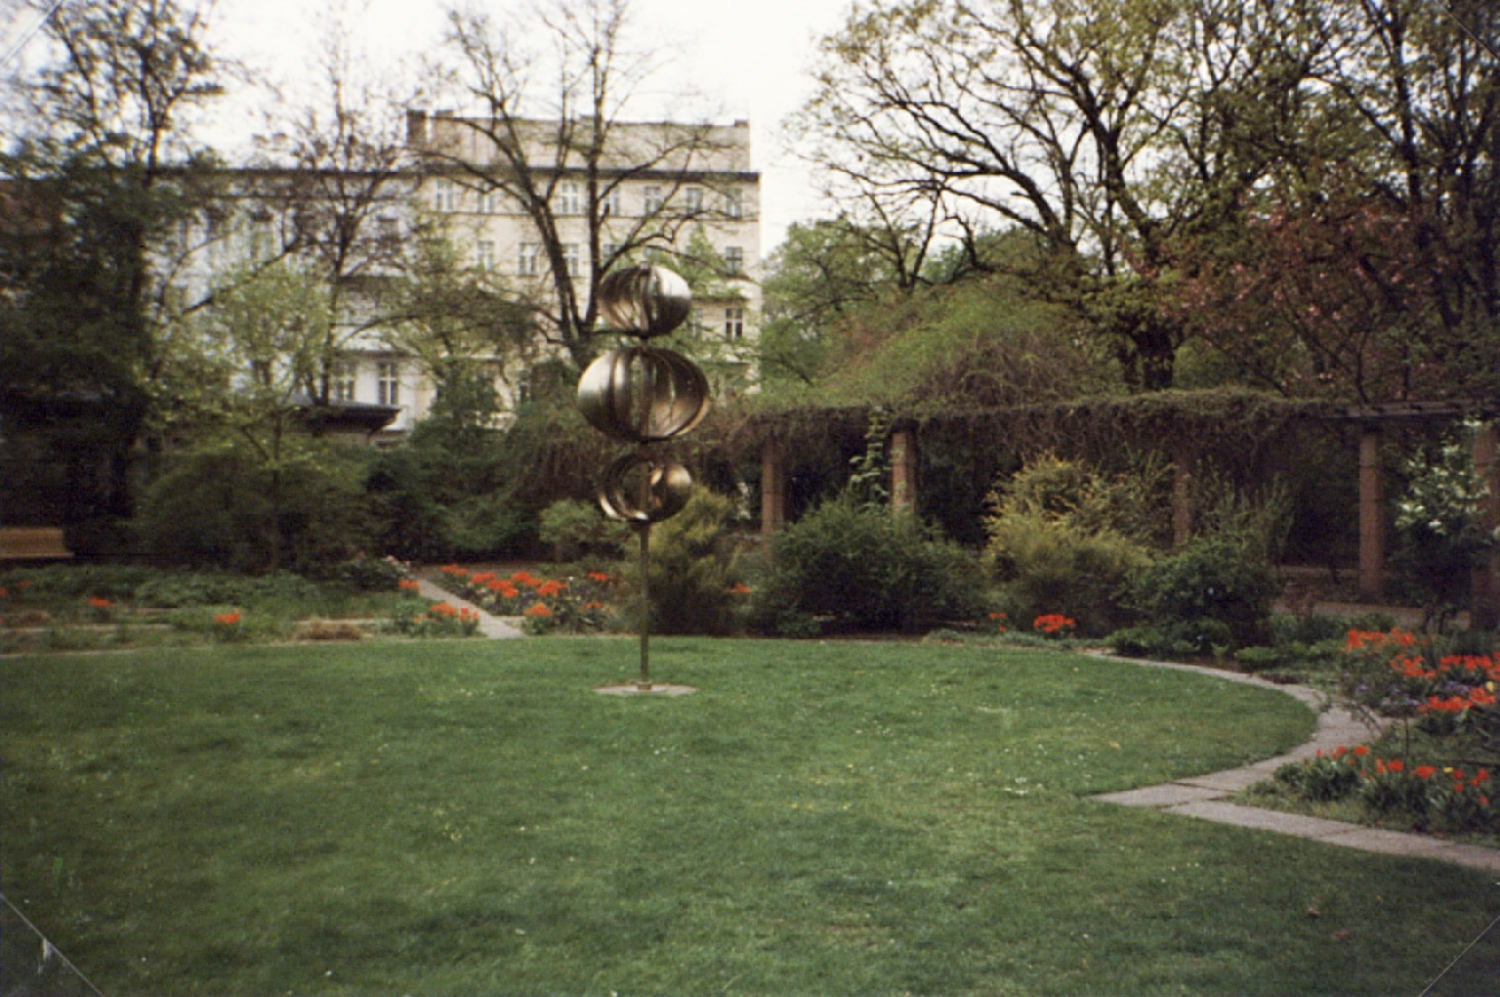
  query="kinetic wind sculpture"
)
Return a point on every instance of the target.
[{"x": 645, "y": 395}]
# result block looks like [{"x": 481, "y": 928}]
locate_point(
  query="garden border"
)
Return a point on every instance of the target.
[{"x": 1204, "y": 796}]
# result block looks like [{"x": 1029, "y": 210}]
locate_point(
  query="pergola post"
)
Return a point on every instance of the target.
[
  {"x": 1182, "y": 495},
  {"x": 772, "y": 488},
  {"x": 1484, "y": 608},
  {"x": 1371, "y": 515},
  {"x": 903, "y": 472}
]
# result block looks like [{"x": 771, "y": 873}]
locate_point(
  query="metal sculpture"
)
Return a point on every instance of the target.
[{"x": 644, "y": 395}]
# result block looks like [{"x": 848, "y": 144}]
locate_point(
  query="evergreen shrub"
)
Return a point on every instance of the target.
[
  {"x": 574, "y": 528},
  {"x": 861, "y": 567},
  {"x": 693, "y": 564},
  {"x": 1063, "y": 538},
  {"x": 1219, "y": 579},
  {"x": 224, "y": 503}
]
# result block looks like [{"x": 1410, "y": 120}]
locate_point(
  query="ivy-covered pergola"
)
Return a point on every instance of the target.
[{"x": 1235, "y": 432}]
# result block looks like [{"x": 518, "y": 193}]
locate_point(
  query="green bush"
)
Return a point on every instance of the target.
[
  {"x": 575, "y": 528},
  {"x": 1070, "y": 493},
  {"x": 693, "y": 566},
  {"x": 1179, "y": 639},
  {"x": 224, "y": 503},
  {"x": 1212, "y": 579},
  {"x": 1051, "y": 566},
  {"x": 1065, "y": 539},
  {"x": 862, "y": 567},
  {"x": 363, "y": 573}
]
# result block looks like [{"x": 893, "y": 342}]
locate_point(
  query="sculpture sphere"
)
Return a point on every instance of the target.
[
  {"x": 639, "y": 490},
  {"x": 644, "y": 394},
  {"x": 644, "y": 300}
]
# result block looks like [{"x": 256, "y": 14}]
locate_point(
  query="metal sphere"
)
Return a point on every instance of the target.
[
  {"x": 644, "y": 300},
  {"x": 638, "y": 490},
  {"x": 643, "y": 394}
]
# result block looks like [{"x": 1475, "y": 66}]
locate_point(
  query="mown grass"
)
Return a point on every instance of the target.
[{"x": 470, "y": 818}]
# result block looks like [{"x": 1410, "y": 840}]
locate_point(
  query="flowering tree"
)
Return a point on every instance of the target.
[{"x": 1438, "y": 519}]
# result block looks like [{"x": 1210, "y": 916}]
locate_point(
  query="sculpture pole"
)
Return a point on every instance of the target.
[{"x": 645, "y": 395}]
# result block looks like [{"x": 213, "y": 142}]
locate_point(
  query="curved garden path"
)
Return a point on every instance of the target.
[{"x": 1206, "y": 796}]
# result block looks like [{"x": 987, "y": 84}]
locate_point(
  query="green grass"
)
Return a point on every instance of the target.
[{"x": 819, "y": 818}]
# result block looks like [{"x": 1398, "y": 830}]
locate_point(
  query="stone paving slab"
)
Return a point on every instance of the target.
[
  {"x": 1263, "y": 820},
  {"x": 1168, "y": 795}
]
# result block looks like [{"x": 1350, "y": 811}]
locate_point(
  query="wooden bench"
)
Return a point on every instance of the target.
[{"x": 33, "y": 543}]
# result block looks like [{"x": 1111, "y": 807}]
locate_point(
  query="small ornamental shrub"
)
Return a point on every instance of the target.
[
  {"x": 1220, "y": 579},
  {"x": 1181, "y": 639},
  {"x": 1043, "y": 562},
  {"x": 1437, "y": 522},
  {"x": 858, "y": 566},
  {"x": 363, "y": 573},
  {"x": 693, "y": 568},
  {"x": 576, "y": 528}
]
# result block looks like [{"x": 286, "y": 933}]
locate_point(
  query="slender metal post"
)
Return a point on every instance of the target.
[{"x": 645, "y": 606}]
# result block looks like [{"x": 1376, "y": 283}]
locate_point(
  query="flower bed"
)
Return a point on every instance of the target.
[
  {"x": 1432, "y": 769},
  {"x": 544, "y": 605}
]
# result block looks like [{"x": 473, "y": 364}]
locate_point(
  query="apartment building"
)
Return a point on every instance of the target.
[{"x": 681, "y": 194}]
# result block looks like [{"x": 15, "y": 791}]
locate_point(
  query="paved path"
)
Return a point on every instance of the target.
[
  {"x": 1205, "y": 796},
  {"x": 490, "y": 626}
]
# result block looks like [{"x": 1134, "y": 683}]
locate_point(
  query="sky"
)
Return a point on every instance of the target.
[{"x": 749, "y": 59}]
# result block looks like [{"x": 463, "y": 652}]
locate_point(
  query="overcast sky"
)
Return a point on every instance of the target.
[{"x": 749, "y": 59}]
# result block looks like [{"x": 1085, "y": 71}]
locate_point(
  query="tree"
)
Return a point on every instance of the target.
[
  {"x": 1365, "y": 267},
  {"x": 1423, "y": 82},
  {"x": 545, "y": 120},
  {"x": 1108, "y": 133},
  {"x": 98, "y": 182}
]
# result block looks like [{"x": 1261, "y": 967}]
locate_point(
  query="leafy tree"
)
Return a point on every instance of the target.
[
  {"x": 1107, "y": 133},
  {"x": 1365, "y": 267},
  {"x": 98, "y": 178}
]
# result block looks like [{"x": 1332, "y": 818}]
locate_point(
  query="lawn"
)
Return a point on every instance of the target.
[{"x": 465, "y": 817}]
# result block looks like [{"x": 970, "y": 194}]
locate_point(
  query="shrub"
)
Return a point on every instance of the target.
[
  {"x": 223, "y": 503},
  {"x": 575, "y": 528},
  {"x": 363, "y": 573},
  {"x": 1049, "y": 564},
  {"x": 865, "y": 568},
  {"x": 1174, "y": 639},
  {"x": 693, "y": 566},
  {"x": 1068, "y": 492},
  {"x": 1212, "y": 579}
]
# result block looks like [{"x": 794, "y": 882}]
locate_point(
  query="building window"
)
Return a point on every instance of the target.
[
  {"x": 734, "y": 259},
  {"x": 609, "y": 203},
  {"x": 692, "y": 200},
  {"x": 652, "y": 200},
  {"x": 528, "y": 262},
  {"x": 444, "y": 196},
  {"x": 572, "y": 259},
  {"x": 569, "y": 198},
  {"x": 734, "y": 204},
  {"x": 607, "y": 253},
  {"x": 484, "y": 202},
  {"x": 388, "y": 382},
  {"x": 389, "y": 229},
  {"x": 484, "y": 254},
  {"x": 341, "y": 381},
  {"x": 734, "y": 322}
]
